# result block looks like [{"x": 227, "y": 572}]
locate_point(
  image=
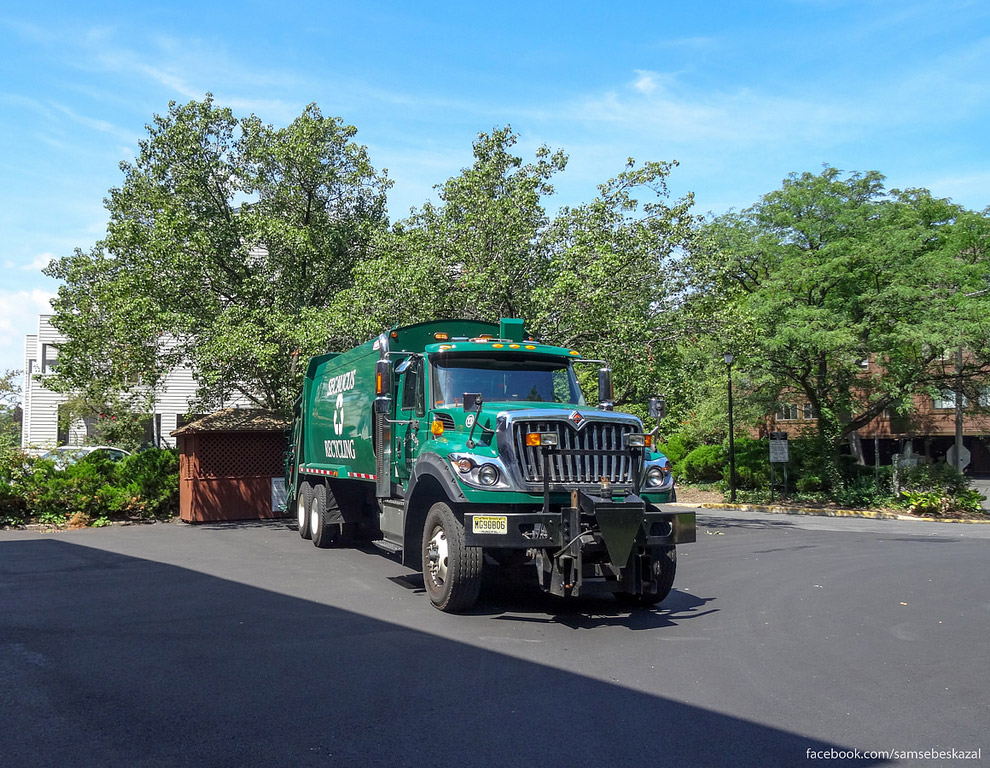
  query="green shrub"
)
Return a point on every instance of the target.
[
  {"x": 938, "y": 476},
  {"x": 939, "y": 503},
  {"x": 969, "y": 500},
  {"x": 808, "y": 484},
  {"x": 675, "y": 448},
  {"x": 154, "y": 475},
  {"x": 143, "y": 485},
  {"x": 752, "y": 463},
  {"x": 705, "y": 464}
]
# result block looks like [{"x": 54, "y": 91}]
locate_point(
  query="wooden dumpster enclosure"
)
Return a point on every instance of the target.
[{"x": 231, "y": 466}]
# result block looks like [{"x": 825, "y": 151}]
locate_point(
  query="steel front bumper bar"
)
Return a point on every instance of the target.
[{"x": 629, "y": 518}]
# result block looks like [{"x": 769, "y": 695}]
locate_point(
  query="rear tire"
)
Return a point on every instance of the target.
[
  {"x": 323, "y": 508},
  {"x": 451, "y": 571},
  {"x": 303, "y": 498}
]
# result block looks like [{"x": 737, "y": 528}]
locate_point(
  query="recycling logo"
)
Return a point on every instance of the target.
[{"x": 338, "y": 415}]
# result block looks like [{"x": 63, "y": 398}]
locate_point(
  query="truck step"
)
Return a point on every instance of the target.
[{"x": 387, "y": 546}]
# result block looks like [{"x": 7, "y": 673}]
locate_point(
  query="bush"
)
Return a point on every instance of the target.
[
  {"x": 143, "y": 485},
  {"x": 705, "y": 464},
  {"x": 675, "y": 449},
  {"x": 154, "y": 475},
  {"x": 939, "y": 477},
  {"x": 752, "y": 464}
]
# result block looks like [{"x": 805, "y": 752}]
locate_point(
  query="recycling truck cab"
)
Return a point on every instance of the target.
[{"x": 461, "y": 444}]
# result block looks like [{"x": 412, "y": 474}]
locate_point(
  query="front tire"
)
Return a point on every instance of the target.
[
  {"x": 664, "y": 570},
  {"x": 451, "y": 570},
  {"x": 303, "y": 498}
]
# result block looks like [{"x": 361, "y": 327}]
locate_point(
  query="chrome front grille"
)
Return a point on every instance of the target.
[{"x": 583, "y": 455}]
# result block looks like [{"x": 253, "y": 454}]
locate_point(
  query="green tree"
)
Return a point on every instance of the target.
[
  {"x": 611, "y": 287},
  {"x": 10, "y": 410},
  {"x": 597, "y": 276},
  {"x": 479, "y": 253},
  {"x": 225, "y": 240},
  {"x": 832, "y": 270}
]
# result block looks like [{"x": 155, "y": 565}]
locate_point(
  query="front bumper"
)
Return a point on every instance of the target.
[{"x": 498, "y": 527}]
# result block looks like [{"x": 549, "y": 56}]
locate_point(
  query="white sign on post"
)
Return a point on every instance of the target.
[{"x": 778, "y": 448}]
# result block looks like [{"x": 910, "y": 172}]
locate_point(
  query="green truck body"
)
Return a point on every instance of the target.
[{"x": 461, "y": 444}]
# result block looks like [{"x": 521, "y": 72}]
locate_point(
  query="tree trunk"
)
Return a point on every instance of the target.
[{"x": 856, "y": 446}]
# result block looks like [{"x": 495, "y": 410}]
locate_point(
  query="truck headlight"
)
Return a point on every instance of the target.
[
  {"x": 488, "y": 474},
  {"x": 654, "y": 477}
]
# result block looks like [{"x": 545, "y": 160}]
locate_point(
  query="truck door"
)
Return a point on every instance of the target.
[{"x": 409, "y": 415}]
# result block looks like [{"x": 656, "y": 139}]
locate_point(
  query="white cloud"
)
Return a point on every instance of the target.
[
  {"x": 646, "y": 82},
  {"x": 971, "y": 190},
  {"x": 172, "y": 81},
  {"x": 660, "y": 106},
  {"x": 39, "y": 262},
  {"x": 19, "y": 312},
  {"x": 97, "y": 125}
]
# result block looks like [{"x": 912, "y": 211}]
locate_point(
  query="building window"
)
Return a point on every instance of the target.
[
  {"x": 946, "y": 401},
  {"x": 787, "y": 412},
  {"x": 49, "y": 357},
  {"x": 807, "y": 412},
  {"x": 985, "y": 397}
]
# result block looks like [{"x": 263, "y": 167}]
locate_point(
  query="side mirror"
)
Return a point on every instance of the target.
[
  {"x": 383, "y": 405},
  {"x": 472, "y": 401},
  {"x": 606, "y": 395},
  {"x": 658, "y": 408},
  {"x": 383, "y": 378}
]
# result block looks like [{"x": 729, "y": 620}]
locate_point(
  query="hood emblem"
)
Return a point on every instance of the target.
[{"x": 577, "y": 418}]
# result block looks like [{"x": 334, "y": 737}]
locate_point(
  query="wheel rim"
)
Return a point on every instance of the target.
[
  {"x": 301, "y": 512},
  {"x": 314, "y": 515},
  {"x": 436, "y": 553}
]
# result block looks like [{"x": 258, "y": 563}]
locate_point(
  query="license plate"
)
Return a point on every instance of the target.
[{"x": 490, "y": 524}]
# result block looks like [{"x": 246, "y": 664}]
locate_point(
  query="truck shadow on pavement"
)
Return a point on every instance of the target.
[
  {"x": 112, "y": 660},
  {"x": 520, "y": 599}
]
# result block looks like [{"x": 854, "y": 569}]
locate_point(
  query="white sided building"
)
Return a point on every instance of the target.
[{"x": 40, "y": 430}]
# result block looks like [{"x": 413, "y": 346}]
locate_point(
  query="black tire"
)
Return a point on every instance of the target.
[
  {"x": 451, "y": 571},
  {"x": 664, "y": 569},
  {"x": 303, "y": 498},
  {"x": 322, "y": 510}
]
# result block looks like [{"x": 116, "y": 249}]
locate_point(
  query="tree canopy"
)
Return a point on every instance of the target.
[
  {"x": 243, "y": 249},
  {"x": 597, "y": 276},
  {"x": 223, "y": 239},
  {"x": 832, "y": 271}
]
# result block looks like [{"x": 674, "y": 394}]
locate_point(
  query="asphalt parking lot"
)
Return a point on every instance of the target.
[{"x": 176, "y": 645}]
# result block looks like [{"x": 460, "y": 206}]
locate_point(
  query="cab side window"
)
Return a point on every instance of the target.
[{"x": 412, "y": 388}]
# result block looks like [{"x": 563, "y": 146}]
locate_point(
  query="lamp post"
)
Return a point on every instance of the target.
[{"x": 728, "y": 357}]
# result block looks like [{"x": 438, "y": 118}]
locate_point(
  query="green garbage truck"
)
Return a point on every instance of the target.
[{"x": 460, "y": 445}]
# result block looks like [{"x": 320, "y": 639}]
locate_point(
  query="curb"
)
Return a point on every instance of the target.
[{"x": 864, "y": 513}]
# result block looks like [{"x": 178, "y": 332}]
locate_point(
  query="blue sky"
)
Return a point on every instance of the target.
[{"x": 741, "y": 94}]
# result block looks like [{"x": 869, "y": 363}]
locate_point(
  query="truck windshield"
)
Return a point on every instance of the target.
[{"x": 502, "y": 380}]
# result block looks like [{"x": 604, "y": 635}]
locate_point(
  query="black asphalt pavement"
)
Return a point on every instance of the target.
[{"x": 786, "y": 640}]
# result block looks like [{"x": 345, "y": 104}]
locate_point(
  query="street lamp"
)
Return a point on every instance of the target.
[{"x": 728, "y": 357}]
